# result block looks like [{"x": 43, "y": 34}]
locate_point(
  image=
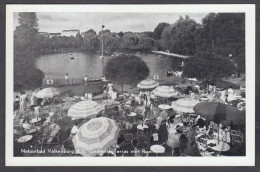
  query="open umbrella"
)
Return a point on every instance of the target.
[
  {"x": 96, "y": 136},
  {"x": 165, "y": 92},
  {"x": 219, "y": 111},
  {"x": 184, "y": 105},
  {"x": 84, "y": 109},
  {"x": 48, "y": 93},
  {"x": 147, "y": 84}
]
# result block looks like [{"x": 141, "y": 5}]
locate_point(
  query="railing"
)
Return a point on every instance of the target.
[{"x": 61, "y": 82}]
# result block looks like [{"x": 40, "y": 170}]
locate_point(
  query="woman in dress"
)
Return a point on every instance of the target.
[{"x": 23, "y": 101}]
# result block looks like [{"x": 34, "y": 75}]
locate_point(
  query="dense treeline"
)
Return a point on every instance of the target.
[{"x": 220, "y": 35}]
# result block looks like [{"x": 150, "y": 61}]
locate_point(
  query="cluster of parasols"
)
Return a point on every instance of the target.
[{"x": 98, "y": 134}]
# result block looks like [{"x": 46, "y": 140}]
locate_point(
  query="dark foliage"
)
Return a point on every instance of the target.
[
  {"x": 26, "y": 76},
  {"x": 126, "y": 70},
  {"x": 208, "y": 68}
]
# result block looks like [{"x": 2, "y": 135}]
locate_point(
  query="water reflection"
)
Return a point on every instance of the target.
[{"x": 55, "y": 66}]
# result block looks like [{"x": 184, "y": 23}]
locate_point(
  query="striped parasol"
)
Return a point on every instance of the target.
[
  {"x": 96, "y": 136},
  {"x": 165, "y": 92},
  {"x": 84, "y": 109},
  {"x": 184, "y": 105},
  {"x": 147, "y": 84},
  {"x": 48, "y": 93}
]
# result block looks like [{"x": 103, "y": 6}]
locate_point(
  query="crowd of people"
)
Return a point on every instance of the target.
[{"x": 179, "y": 133}]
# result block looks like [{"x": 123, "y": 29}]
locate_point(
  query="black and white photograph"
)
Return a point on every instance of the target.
[{"x": 163, "y": 84}]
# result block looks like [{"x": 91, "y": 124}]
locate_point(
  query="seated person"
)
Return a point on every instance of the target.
[
  {"x": 163, "y": 114},
  {"x": 201, "y": 123},
  {"x": 197, "y": 87},
  {"x": 210, "y": 133},
  {"x": 163, "y": 133},
  {"x": 26, "y": 125},
  {"x": 171, "y": 112},
  {"x": 129, "y": 126},
  {"x": 48, "y": 119},
  {"x": 53, "y": 130},
  {"x": 226, "y": 134},
  {"x": 214, "y": 126},
  {"x": 74, "y": 129},
  {"x": 45, "y": 101},
  {"x": 170, "y": 124}
]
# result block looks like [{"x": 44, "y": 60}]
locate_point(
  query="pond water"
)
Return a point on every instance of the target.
[{"x": 55, "y": 66}]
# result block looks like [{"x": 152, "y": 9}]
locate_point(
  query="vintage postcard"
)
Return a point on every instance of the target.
[{"x": 130, "y": 85}]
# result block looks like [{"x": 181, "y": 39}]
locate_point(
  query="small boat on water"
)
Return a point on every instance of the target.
[{"x": 71, "y": 56}]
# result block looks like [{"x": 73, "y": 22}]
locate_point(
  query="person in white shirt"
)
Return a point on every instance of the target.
[
  {"x": 74, "y": 129},
  {"x": 26, "y": 125},
  {"x": 231, "y": 94},
  {"x": 23, "y": 101},
  {"x": 89, "y": 96},
  {"x": 33, "y": 101},
  {"x": 197, "y": 87},
  {"x": 86, "y": 79},
  {"x": 37, "y": 111},
  {"x": 113, "y": 95},
  {"x": 67, "y": 78}
]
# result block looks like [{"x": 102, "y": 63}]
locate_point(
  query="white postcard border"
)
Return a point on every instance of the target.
[{"x": 248, "y": 160}]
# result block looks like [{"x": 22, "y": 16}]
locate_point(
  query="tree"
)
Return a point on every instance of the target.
[
  {"x": 180, "y": 37},
  {"x": 25, "y": 34},
  {"x": 208, "y": 68},
  {"x": 26, "y": 76},
  {"x": 90, "y": 40},
  {"x": 224, "y": 34},
  {"x": 126, "y": 70},
  {"x": 159, "y": 29},
  {"x": 78, "y": 41},
  {"x": 149, "y": 34},
  {"x": 121, "y": 34},
  {"x": 145, "y": 42}
]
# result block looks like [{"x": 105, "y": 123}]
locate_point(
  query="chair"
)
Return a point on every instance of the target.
[
  {"x": 128, "y": 137},
  {"x": 185, "y": 117},
  {"x": 237, "y": 136},
  {"x": 51, "y": 138}
]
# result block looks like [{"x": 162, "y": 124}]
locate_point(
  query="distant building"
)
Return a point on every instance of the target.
[
  {"x": 51, "y": 35},
  {"x": 69, "y": 33},
  {"x": 44, "y": 34}
]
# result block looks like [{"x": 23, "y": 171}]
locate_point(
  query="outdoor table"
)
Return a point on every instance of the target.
[
  {"x": 220, "y": 145},
  {"x": 199, "y": 135},
  {"x": 32, "y": 131},
  {"x": 132, "y": 116},
  {"x": 24, "y": 141},
  {"x": 141, "y": 128},
  {"x": 157, "y": 149},
  {"x": 164, "y": 106},
  {"x": 35, "y": 120}
]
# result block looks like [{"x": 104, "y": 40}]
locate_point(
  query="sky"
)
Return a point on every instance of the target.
[{"x": 115, "y": 22}]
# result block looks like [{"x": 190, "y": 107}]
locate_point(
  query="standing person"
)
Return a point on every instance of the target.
[
  {"x": 16, "y": 103},
  {"x": 104, "y": 91},
  {"x": 86, "y": 79},
  {"x": 23, "y": 101},
  {"x": 231, "y": 94},
  {"x": 74, "y": 129},
  {"x": 67, "y": 78},
  {"x": 33, "y": 101},
  {"x": 197, "y": 87},
  {"x": 37, "y": 111}
]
